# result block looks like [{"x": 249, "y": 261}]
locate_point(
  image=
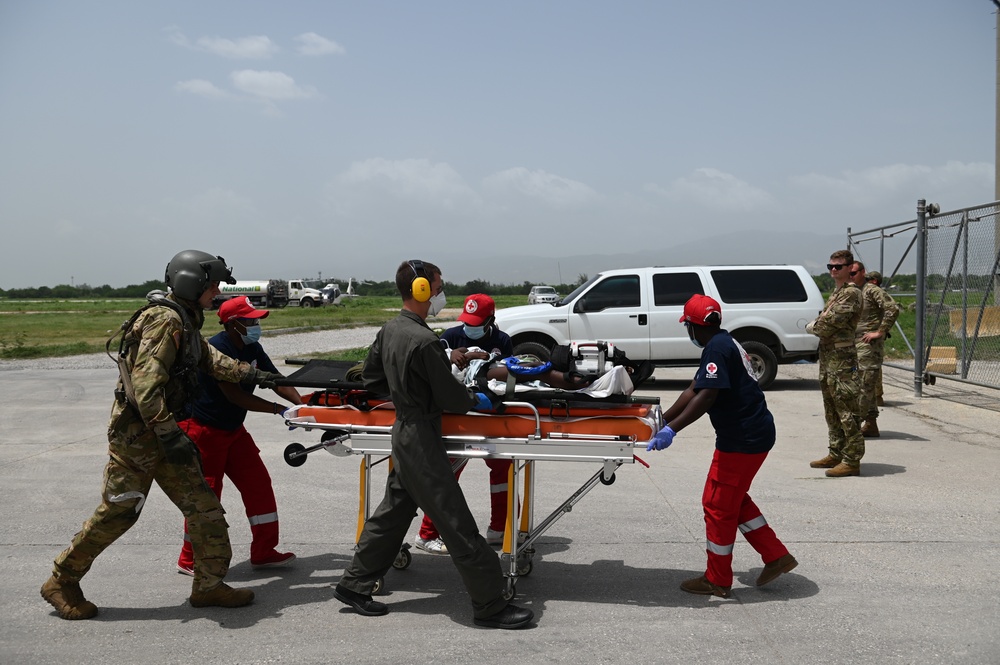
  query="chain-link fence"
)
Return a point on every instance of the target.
[{"x": 956, "y": 332}]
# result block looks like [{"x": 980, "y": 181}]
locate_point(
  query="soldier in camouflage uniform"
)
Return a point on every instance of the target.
[
  {"x": 160, "y": 353},
  {"x": 875, "y": 277},
  {"x": 878, "y": 314},
  {"x": 838, "y": 371}
]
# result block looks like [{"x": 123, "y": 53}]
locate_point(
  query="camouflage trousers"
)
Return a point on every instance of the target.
[
  {"x": 869, "y": 379},
  {"x": 840, "y": 388},
  {"x": 870, "y": 375},
  {"x": 136, "y": 460}
]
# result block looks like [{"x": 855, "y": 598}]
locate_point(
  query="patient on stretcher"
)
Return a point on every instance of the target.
[{"x": 503, "y": 376}]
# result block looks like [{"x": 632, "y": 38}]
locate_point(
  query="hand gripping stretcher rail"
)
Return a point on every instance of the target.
[{"x": 543, "y": 426}]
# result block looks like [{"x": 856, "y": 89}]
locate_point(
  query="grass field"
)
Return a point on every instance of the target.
[{"x": 50, "y": 328}]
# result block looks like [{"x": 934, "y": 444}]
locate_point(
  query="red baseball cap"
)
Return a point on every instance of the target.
[
  {"x": 240, "y": 308},
  {"x": 697, "y": 309},
  {"x": 478, "y": 308}
]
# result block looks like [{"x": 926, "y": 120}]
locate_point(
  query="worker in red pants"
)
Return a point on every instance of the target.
[
  {"x": 725, "y": 387},
  {"x": 226, "y": 447}
]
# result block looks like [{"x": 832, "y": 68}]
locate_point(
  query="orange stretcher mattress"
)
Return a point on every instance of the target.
[{"x": 635, "y": 421}]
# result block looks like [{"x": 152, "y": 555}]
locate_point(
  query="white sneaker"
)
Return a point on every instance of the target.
[
  {"x": 433, "y": 546},
  {"x": 496, "y": 537}
]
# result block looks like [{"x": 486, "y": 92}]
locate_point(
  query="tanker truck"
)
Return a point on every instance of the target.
[
  {"x": 272, "y": 293},
  {"x": 266, "y": 294}
]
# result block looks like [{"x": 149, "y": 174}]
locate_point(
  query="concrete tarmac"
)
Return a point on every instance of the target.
[{"x": 896, "y": 566}]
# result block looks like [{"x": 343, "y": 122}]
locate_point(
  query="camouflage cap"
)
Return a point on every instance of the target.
[{"x": 874, "y": 276}]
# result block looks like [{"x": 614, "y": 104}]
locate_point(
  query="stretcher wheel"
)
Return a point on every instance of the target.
[
  {"x": 403, "y": 559},
  {"x": 294, "y": 449},
  {"x": 609, "y": 481},
  {"x": 379, "y": 586},
  {"x": 510, "y": 591},
  {"x": 524, "y": 567}
]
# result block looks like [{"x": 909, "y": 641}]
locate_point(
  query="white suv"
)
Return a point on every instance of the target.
[
  {"x": 765, "y": 307},
  {"x": 542, "y": 294}
]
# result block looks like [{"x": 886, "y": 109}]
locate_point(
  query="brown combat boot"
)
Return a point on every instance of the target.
[
  {"x": 221, "y": 596},
  {"x": 701, "y": 586},
  {"x": 68, "y": 599},
  {"x": 870, "y": 429},
  {"x": 843, "y": 469},
  {"x": 827, "y": 462},
  {"x": 775, "y": 568},
  {"x": 879, "y": 401}
]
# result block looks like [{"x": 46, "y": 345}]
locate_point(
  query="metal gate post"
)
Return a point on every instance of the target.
[{"x": 919, "y": 353}]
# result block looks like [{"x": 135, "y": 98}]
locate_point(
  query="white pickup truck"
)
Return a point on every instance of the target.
[{"x": 765, "y": 308}]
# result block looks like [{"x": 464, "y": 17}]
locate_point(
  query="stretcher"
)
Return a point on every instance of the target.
[{"x": 542, "y": 426}]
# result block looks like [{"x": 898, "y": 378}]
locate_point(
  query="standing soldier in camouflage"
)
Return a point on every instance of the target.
[
  {"x": 838, "y": 371},
  {"x": 875, "y": 277},
  {"x": 878, "y": 314},
  {"x": 159, "y": 356}
]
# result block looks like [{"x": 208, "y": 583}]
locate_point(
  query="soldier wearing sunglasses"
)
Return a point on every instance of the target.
[{"x": 838, "y": 370}]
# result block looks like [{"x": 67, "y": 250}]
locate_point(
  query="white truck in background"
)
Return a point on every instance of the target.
[
  {"x": 303, "y": 293},
  {"x": 272, "y": 293}
]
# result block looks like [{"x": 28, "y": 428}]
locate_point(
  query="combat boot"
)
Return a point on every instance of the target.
[
  {"x": 702, "y": 587},
  {"x": 221, "y": 596},
  {"x": 870, "y": 429},
  {"x": 827, "y": 462},
  {"x": 843, "y": 469},
  {"x": 879, "y": 401},
  {"x": 67, "y": 598}
]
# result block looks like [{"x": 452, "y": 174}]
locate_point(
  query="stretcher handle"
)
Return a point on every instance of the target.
[{"x": 534, "y": 409}]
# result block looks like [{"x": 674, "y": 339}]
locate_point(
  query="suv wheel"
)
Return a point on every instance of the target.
[
  {"x": 538, "y": 349},
  {"x": 763, "y": 361}
]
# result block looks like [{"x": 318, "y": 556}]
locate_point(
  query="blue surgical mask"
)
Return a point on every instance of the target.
[
  {"x": 474, "y": 332},
  {"x": 694, "y": 340},
  {"x": 252, "y": 335}
]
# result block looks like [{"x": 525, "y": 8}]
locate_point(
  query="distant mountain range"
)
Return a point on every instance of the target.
[{"x": 751, "y": 247}]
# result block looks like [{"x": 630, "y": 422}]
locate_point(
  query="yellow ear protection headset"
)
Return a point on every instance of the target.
[{"x": 420, "y": 287}]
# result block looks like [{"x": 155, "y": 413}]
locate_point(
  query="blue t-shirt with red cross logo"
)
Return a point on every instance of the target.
[
  {"x": 212, "y": 407},
  {"x": 742, "y": 421}
]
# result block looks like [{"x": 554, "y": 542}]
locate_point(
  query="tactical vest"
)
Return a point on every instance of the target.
[{"x": 184, "y": 370}]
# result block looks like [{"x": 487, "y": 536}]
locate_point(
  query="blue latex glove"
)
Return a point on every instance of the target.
[
  {"x": 662, "y": 439},
  {"x": 483, "y": 403}
]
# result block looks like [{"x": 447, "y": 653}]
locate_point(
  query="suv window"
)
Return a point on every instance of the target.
[
  {"x": 617, "y": 291},
  {"x": 751, "y": 286},
  {"x": 675, "y": 288}
]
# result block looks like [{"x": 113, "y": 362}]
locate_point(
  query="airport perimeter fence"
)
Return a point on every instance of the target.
[{"x": 957, "y": 255}]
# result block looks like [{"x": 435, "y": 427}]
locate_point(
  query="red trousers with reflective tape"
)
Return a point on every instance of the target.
[
  {"x": 234, "y": 454},
  {"x": 729, "y": 508},
  {"x": 498, "y": 498}
]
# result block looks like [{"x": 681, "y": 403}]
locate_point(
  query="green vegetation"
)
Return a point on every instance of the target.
[{"x": 52, "y": 327}]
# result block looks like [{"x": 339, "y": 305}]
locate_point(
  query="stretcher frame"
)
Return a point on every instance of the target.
[{"x": 374, "y": 444}]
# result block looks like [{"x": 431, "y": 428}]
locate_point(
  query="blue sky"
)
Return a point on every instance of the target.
[{"x": 342, "y": 137}]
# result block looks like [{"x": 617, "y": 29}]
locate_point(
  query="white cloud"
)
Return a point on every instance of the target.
[
  {"x": 202, "y": 88},
  {"x": 874, "y": 185},
  {"x": 312, "y": 44},
  {"x": 553, "y": 190},
  {"x": 714, "y": 189},
  {"x": 255, "y": 47},
  {"x": 415, "y": 180},
  {"x": 271, "y": 86}
]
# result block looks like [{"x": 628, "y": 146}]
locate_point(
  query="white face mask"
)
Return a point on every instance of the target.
[{"x": 437, "y": 304}]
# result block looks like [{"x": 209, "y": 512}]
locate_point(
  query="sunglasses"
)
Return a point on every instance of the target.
[
  {"x": 853, "y": 273},
  {"x": 835, "y": 266}
]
